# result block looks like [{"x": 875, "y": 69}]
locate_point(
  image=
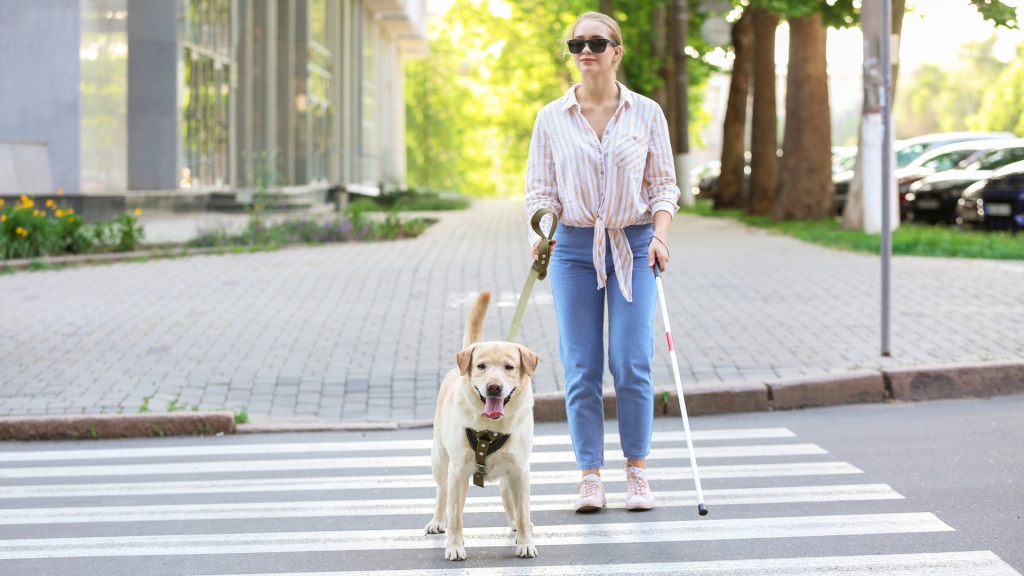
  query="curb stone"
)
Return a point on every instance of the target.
[
  {"x": 969, "y": 380},
  {"x": 86, "y": 427},
  {"x": 913, "y": 383}
]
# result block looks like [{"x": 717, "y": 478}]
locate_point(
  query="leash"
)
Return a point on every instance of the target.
[{"x": 538, "y": 271}]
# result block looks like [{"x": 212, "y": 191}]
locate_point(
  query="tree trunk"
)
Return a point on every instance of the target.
[
  {"x": 730, "y": 183},
  {"x": 764, "y": 158},
  {"x": 805, "y": 183},
  {"x": 680, "y": 26},
  {"x": 867, "y": 170},
  {"x": 659, "y": 15}
]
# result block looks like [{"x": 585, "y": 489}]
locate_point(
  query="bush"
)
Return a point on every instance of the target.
[
  {"x": 409, "y": 200},
  {"x": 28, "y": 231}
]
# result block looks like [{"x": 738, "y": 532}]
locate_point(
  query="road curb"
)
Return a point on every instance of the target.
[
  {"x": 968, "y": 380},
  {"x": 912, "y": 383},
  {"x": 109, "y": 258},
  {"x": 854, "y": 387},
  {"x": 90, "y": 426}
]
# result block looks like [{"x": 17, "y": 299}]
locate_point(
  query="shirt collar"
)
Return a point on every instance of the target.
[{"x": 570, "y": 96}]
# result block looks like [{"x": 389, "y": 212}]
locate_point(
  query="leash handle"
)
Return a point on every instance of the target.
[{"x": 544, "y": 248}]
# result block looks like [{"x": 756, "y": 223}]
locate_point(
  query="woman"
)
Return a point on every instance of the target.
[{"x": 601, "y": 159}]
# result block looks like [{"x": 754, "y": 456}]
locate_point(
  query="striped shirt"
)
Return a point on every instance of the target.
[{"x": 607, "y": 184}]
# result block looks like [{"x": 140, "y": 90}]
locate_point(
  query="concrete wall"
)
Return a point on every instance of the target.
[
  {"x": 154, "y": 118},
  {"x": 39, "y": 81}
]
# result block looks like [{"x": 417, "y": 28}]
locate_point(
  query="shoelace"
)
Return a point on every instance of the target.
[
  {"x": 636, "y": 484},
  {"x": 588, "y": 488}
]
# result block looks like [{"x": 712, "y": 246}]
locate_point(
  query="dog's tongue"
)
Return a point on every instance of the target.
[{"x": 494, "y": 407}]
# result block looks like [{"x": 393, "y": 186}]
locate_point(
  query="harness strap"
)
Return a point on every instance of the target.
[
  {"x": 538, "y": 271},
  {"x": 484, "y": 443}
]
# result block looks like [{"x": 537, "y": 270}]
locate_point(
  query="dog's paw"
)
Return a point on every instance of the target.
[
  {"x": 526, "y": 550},
  {"x": 512, "y": 525},
  {"x": 435, "y": 528},
  {"x": 457, "y": 553}
]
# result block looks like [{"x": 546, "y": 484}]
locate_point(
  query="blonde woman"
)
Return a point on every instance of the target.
[{"x": 601, "y": 159}]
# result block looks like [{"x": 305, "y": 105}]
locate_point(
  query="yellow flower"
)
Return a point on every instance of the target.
[
  {"x": 59, "y": 213},
  {"x": 71, "y": 210},
  {"x": 35, "y": 212},
  {"x": 60, "y": 191},
  {"x": 138, "y": 211},
  {"x": 1, "y": 201},
  {"x": 21, "y": 231},
  {"x": 3, "y": 217}
]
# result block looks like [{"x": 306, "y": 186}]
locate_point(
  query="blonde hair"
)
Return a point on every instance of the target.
[{"x": 616, "y": 35}]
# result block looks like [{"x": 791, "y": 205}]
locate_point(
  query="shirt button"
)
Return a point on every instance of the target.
[{"x": 634, "y": 137}]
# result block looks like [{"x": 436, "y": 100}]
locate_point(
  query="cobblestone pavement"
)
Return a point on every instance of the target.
[{"x": 367, "y": 331}]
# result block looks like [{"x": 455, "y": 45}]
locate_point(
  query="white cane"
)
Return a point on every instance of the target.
[{"x": 701, "y": 508}]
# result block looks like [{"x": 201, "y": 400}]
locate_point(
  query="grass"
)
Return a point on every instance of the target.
[
  {"x": 408, "y": 201},
  {"x": 350, "y": 227},
  {"x": 908, "y": 240}
]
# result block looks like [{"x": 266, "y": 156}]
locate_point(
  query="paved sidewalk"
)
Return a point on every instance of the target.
[{"x": 366, "y": 331}]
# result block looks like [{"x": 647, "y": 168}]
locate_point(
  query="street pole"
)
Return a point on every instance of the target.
[
  {"x": 682, "y": 103},
  {"x": 884, "y": 99}
]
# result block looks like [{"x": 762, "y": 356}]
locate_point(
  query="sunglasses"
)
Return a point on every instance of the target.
[{"x": 597, "y": 45}]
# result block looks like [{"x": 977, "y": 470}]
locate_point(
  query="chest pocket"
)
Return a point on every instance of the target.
[{"x": 631, "y": 152}]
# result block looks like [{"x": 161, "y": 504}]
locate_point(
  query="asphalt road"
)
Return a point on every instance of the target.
[{"x": 900, "y": 489}]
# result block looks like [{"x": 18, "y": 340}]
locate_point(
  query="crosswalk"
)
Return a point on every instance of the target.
[{"x": 256, "y": 507}]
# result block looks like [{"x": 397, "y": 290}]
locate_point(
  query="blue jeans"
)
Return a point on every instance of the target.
[{"x": 580, "y": 309}]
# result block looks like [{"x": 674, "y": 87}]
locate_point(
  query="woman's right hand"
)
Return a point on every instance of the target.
[{"x": 536, "y": 245}]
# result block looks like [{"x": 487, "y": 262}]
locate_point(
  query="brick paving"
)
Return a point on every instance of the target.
[{"x": 366, "y": 331}]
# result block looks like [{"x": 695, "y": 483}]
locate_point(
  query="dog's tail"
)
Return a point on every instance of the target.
[{"x": 475, "y": 321}]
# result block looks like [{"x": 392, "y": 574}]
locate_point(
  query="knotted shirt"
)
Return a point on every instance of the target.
[{"x": 608, "y": 184}]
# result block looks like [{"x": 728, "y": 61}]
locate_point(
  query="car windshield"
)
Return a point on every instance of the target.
[
  {"x": 908, "y": 154},
  {"x": 997, "y": 159},
  {"x": 946, "y": 161}
]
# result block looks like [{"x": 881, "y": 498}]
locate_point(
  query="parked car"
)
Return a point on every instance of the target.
[
  {"x": 936, "y": 198},
  {"x": 940, "y": 159},
  {"x": 1002, "y": 198},
  {"x": 969, "y": 212},
  {"x": 908, "y": 150},
  {"x": 704, "y": 178}
]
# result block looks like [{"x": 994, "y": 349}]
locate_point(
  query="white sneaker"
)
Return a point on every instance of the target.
[
  {"x": 591, "y": 495},
  {"x": 638, "y": 493}
]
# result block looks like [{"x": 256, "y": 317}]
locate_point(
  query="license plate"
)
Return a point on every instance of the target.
[
  {"x": 928, "y": 204},
  {"x": 998, "y": 209}
]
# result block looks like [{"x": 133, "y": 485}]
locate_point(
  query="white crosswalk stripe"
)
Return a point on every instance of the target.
[
  {"x": 368, "y": 446},
  {"x": 230, "y": 466},
  {"x": 406, "y": 481},
  {"x": 937, "y": 564},
  {"x": 79, "y": 498},
  {"x": 474, "y": 505}
]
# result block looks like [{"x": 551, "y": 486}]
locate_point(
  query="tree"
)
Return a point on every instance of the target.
[
  {"x": 1003, "y": 106},
  {"x": 730, "y": 182},
  {"x": 805, "y": 182},
  {"x": 853, "y": 215},
  {"x": 764, "y": 159}
]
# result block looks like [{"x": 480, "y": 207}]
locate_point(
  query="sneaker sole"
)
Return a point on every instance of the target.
[{"x": 636, "y": 508}]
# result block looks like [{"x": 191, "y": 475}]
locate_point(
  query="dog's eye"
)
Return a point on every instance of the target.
[
  {"x": 480, "y": 366},
  {"x": 509, "y": 367}
]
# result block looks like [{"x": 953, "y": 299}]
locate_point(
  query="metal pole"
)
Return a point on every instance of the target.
[{"x": 884, "y": 100}]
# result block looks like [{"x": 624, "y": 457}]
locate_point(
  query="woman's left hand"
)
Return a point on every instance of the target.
[{"x": 658, "y": 250}]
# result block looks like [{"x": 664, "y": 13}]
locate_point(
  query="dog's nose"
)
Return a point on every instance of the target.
[{"x": 494, "y": 389}]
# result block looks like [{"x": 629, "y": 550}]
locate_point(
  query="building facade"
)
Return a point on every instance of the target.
[{"x": 218, "y": 95}]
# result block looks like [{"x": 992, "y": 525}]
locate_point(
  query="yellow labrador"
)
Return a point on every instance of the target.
[{"x": 485, "y": 412}]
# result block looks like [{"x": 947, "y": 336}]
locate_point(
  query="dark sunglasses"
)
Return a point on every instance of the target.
[{"x": 597, "y": 45}]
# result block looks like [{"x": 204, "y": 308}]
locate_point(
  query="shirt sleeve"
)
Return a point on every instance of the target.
[
  {"x": 541, "y": 189},
  {"x": 660, "y": 172}
]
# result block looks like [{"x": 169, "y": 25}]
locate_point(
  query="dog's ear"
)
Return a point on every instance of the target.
[
  {"x": 465, "y": 358},
  {"x": 529, "y": 359}
]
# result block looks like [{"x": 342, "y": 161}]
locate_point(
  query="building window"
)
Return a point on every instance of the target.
[
  {"x": 208, "y": 68},
  {"x": 319, "y": 107}
]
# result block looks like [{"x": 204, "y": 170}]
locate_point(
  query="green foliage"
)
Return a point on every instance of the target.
[
  {"x": 909, "y": 239},
  {"x": 29, "y": 231},
  {"x": 350, "y": 227},
  {"x": 949, "y": 98},
  {"x": 996, "y": 11},
  {"x": 1003, "y": 106},
  {"x": 835, "y": 14},
  {"x": 471, "y": 105},
  {"x": 242, "y": 416},
  {"x": 409, "y": 200}
]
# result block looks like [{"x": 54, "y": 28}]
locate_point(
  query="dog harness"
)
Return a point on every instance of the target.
[{"x": 484, "y": 443}]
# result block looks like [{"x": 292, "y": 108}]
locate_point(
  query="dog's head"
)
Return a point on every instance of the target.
[{"x": 495, "y": 374}]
